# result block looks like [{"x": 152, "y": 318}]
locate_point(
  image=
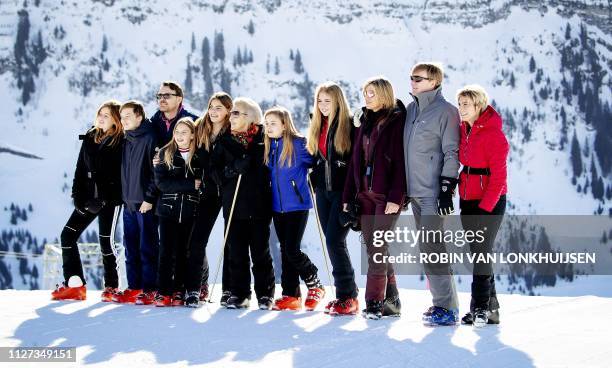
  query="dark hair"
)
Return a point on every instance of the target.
[
  {"x": 136, "y": 106},
  {"x": 174, "y": 86}
]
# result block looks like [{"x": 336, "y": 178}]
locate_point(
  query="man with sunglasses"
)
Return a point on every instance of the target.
[
  {"x": 170, "y": 102},
  {"x": 431, "y": 145}
]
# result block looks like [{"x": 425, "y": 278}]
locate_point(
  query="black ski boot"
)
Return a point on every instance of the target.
[
  {"x": 392, "y": 306},
  {"x": 265, "y": 303},
  {"x": 492, "y": 318},
  {"x": 236, "y": 302},
  {"x": 193, "y": 299},
  {"x": 374, "y": 309}
]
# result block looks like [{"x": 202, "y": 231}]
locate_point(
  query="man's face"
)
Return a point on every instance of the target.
[
  {"x": 167, "y": 100},
  {"x": 130, "y": 120},
  {"x": 421, "y": 82}
]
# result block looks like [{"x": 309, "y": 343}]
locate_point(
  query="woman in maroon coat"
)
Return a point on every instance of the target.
[
  {"x": 483, "y": 151},
  {"x": 376, "y": 180}
]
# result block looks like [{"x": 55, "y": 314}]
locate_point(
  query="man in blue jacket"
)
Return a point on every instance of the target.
[
  {"x": 140, "y": 236},
  {"x": 170, "y": 104}
]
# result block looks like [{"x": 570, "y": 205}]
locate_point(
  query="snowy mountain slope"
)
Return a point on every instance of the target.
[
  {"x": 531, "y": 335},
  {"x": 95, "y": 50}
]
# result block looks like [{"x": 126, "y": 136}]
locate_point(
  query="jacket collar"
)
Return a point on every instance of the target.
[{"x": 425, "y": 99}]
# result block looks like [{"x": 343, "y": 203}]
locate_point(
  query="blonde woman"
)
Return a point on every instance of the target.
[
  {"x": 96, "y": 191},
  {"x": 178, "y": 177},
  {"x": 240, "y": 154},
  {"x": 377, "y": 181},
  {"x": 482, "y": 192},
  {"x": 330, "y": 142},
  {"x": 209, "y": 129},
  {"x": 288, "y": 160}
]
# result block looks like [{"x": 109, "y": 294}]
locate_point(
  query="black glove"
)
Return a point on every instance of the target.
[
  {"x": 445, "y": 198},
  {"x": 229, "y": 172},
  {"x": 350, "y": 217}
]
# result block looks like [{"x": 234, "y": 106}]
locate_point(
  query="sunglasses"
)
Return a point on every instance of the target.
[
  {"x": 165, "y": 96},
  {"x": 418, "y": 78},
  {"x": 238, "y": 113}
]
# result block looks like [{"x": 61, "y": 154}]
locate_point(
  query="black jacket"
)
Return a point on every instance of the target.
[
  {"x": 137, "y": 178},
  {"x": 210, "y": 188},
  {"x": 178, "y": 197},
  {"x": 329, "y": 173},
  {"x": 98, "y": 171},
  {"x": 230, "y": 159},
  {"x": 165, "y": 135}
]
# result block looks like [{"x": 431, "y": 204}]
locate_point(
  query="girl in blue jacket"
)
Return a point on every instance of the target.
[{"x": 288, "y": 160}]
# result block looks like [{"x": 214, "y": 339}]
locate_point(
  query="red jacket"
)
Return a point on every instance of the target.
[{"x": 485, "y": 146}]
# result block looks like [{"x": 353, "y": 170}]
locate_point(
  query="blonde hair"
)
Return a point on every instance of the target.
[
  {"x": 383, "y": 90},
  {"x": 252, "y": 108},
  {"x": 171, "y": 147},
  {"x": 342, "y": 139},
  {"x": 204, "y": 126},
  {"x": 477, "y": 94},
  {"x": 289, "y": 134},
  {"x": 434, "y": 71},
  {"x": 116, "y": 132}
]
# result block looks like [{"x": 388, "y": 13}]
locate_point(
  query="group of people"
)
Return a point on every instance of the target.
[{"x": 175, "y": 172}]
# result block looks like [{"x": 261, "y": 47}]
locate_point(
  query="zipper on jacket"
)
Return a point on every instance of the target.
[
  {"x": 330, "y": 150},
  {"x": 467, "y": 175},
  {"x": 297, "y": 192},
  {"x": 481, "y": 188},
  {"x": 280, "y": 200},
  {"x": 181, "y": 209}
]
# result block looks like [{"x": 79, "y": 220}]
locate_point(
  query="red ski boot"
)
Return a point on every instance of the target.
[
  {"x": 315, "y": 295},
  {"x": 288, "y": 303},
  {"x": 64, "y": 292}
]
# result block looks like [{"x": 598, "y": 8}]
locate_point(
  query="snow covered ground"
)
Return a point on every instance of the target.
[{"x": 535, "y": 332}]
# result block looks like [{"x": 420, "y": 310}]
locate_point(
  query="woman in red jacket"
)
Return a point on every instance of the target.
[{"x": 483, "y": 150}]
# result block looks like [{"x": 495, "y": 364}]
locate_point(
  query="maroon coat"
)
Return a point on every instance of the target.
[{"x": 387, "y": 147}]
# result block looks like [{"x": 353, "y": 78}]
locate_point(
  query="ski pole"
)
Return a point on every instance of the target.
[
  {"x": 229, "y": 222},
  {"x": 323, "y": 247}
]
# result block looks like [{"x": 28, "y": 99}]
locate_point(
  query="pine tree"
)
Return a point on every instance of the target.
[
  {"x": 576, "y": 156},
  {"x": 193, "y": 42},
  {"x": 219, "y": 48},
  {"x": 568, "y": 32},
  {"x": 532, "y": 65},
  {"x": 188, "y": 77},
  {"x": 512, "y": 80},
  {"x": 225, "y": 82},
  {"x": 250, "y": 56},
  {"x": 239, "y": 56},
  {"x": 251, "y": 27},
  {"x": 276, "y": 66},
  {"x": 563, "y": 139},
  {"x": 291, "y": 57},
  {"x": 298, "y": 67},
  {"x": 268, "y": 64},
  {"x": 104, "y": 43}
]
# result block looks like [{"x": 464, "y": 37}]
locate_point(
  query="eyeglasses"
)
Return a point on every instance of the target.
[
  {"x": 418, "y": 78},
  {"x": 369, "y": 94},
  {"x": 238, "y": 113},
  {"x": 165, "y": 96}
]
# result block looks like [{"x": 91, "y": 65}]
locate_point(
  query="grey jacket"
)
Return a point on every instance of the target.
[{"x": 431, "y": 143}]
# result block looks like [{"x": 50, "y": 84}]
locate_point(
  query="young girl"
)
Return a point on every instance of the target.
[
  {"x": 377, "y": 180},
  {"x": 240, "y": 155},
  {"x": 96, "y": 192},
  {"x": 288, "y": 160},
  {"x": 329, "y": 140},
  {"x": 178, "y": 177},
  {"x": 209, "y": 128}
]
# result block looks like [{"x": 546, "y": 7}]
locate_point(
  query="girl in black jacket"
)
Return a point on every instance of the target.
[
  {"x": 241, "y": 153},
  {"x": 96, "y": 192},
  {"x": 178, "y": 177},
  {"x": 209, "y": 130},
  {"x": 329, "y": 140}
]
